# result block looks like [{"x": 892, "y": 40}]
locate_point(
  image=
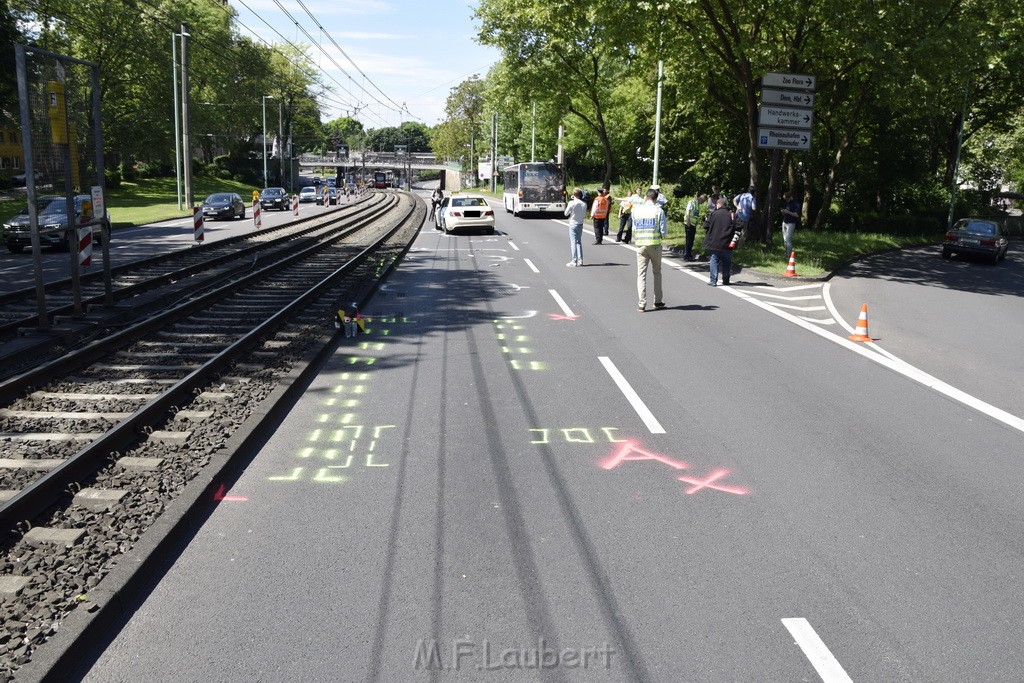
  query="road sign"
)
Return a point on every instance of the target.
[
  {"x": 792, "y": 81},
  {"x": 783, "y": 138},
  {"x": 788, "y": 98},
  {"x": 785, "y": 117}
]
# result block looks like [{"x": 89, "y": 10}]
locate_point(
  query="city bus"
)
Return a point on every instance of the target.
[{"x": 534, "y": 187}]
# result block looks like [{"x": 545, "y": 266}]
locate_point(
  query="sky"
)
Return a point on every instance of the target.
[{"x": 414, "y": 51}]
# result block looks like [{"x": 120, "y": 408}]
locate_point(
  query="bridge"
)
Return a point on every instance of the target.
[{"x": 415, "y": 160}]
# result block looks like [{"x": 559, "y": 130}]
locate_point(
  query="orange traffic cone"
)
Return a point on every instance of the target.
[
  {"x": 791, "y": 268},
  {"x": 861, "y": 334}
]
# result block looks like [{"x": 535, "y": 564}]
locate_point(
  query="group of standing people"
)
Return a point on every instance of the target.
[{"x": 643, "y": 219}]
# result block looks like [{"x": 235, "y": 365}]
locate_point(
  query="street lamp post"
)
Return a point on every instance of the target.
[{"x": 265, "y": 98}]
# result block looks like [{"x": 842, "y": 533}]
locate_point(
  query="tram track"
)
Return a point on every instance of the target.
[
  {"x": 136, "y": 287},
  {"x": 96, "y": 443}
]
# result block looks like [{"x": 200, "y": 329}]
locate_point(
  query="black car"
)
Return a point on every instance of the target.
[
  {"x": 275, "y": 198},
  {"x": 979, "y": 236},
  {"x": 53, "y": 222},
  {"x": 223, "y": 205}
]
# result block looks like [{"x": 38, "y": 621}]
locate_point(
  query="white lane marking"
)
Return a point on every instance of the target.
[
  {"x": 634, "y": 399},
  {"x": 809, "y": 297},
  {"x": 872, "y": 352},
  {"x": 561, "y": 304},
  {"x": 827, "y": 294},
  {"x": 513, "y": 245},
  {"x": 529, "y": 314},
  {"x": 827, "y": 666},
  {"x": 532, "y": 267},
  {"x": 891, "y": 362},
  {"x": 795, "y": 308},
  {"x": 826, "y": 321}
]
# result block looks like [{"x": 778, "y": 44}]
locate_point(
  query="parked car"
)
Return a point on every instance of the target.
[
  {"x": 979, "y": 236},
  {"x": 307, "y": 194},
  {"x": 22, "y": 178},
  {"x": 465, "y": 211},
  {"x": 275, "y": 198},
  {"x": 223, "y": 205},
  {"x": 53, "y": 224}
]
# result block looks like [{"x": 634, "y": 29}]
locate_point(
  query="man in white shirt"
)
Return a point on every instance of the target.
[{"x": 576, "y": 210}]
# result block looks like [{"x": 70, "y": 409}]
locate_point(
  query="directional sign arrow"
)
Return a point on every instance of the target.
[
  {"x": 785, "y": 117},
  {"x": 789, "y": 98},
  {"x": 783, "y": 138},
  {"x": 793, "y": 81}
]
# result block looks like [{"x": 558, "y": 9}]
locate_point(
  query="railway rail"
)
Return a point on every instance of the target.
[
  {"x": 135, "y": 287},
  {"x": 96, "y": 444}
]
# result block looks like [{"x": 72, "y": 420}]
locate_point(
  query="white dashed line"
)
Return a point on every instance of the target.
[
  {"x": 634, "y": 399},
  {"x": 561, "y": 304},
  {"x": 827, "y": 666},
  {"x": 532, "y": 267}
]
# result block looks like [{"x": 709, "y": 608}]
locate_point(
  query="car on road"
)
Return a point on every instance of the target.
[
  {"x": 335, "y": 195},
  {"x": 53, "y": 222},
  {"x": 307, "y": 194},
  {"x": 275, "y": 198},
  {"x": 464, "y": 212},
  {"x": 223, "y": 205},
  {"x": 977, "y": 236}
]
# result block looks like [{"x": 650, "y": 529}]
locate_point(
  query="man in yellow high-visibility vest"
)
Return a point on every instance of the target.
[{"x": 649, "y": 227}]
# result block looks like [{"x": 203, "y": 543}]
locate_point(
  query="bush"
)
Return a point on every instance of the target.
[
  {"x": 113, "y": 178},
  {"x": 128, "y": 173}
]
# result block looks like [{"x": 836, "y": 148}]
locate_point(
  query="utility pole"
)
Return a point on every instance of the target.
[
  {"x": 280, "y": 135},
  {"x": 494, "y": 151},
  {"x": 533, "y": 134},
  {"x": 177, "y": 116},
  {"x": 186, "y": 129}
]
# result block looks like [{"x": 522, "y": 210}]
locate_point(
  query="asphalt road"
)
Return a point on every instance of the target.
[{"x": 513, "y": 463}]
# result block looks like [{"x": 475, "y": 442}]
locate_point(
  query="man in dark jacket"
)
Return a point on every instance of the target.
[{"x": 720, "y": 226}]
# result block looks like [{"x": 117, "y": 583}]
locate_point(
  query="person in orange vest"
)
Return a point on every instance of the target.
[{"x": 599, "y": 214}]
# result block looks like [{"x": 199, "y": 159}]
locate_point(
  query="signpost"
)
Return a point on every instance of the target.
[
  {"x": 781, "y": 138},
  {"x": 787, "y": 97},
  {"x": 785, "y": 118}
]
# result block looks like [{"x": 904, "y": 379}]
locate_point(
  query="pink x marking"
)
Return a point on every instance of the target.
[
  {"x": 559, "y": 316},
  {"x": 708, "y": 483}
]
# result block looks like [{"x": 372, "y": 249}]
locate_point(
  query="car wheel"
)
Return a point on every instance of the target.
[
  {"x": 995, "y": 258},
  {"x": 946, "y": 253},
  {"x": 242, "y": 216}
]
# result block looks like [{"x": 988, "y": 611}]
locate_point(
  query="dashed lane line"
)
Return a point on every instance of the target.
[
  {"x": 561, "y": 303},
  {"x": 634, "y": 399},
  {"x": 821, "y": 658}
]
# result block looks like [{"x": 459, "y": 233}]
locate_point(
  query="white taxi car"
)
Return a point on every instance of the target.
[{"x": 464, "y": 212}]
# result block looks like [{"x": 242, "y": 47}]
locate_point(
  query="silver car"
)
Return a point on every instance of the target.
[{"x": 979, "y": 236}]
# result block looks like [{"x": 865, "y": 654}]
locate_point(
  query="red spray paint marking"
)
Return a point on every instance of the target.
[
  {"x": 708, "y": 483},
  {"x": 629, "y": 451},
  {"x": 219, "y": 495},
  {"x": 559, "y": 316}
]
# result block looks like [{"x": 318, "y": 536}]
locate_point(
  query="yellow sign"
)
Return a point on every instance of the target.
[{"x": 57, "y": 112}]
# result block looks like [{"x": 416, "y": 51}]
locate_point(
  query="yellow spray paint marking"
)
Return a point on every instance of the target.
[
  {"x": 608, "y": 432},
  {"x": 376, "y": 346},
  {"x": 578, "y": 435},
  {"x": 537, "y": 365},
  {"x": 330, "y": 401},
  {"x": 315, "y": 436},
  {"x": 324, "y": 478},
  {"x": 371, "y": 463},
  {"x": 351, "y": 403},
  {"x": 294, "y": 476},
  {"x": 378, "y": 428},
  {"x": 306, "y": 452},
  {"x": 348, "y": 461},
  {"x": 544, "y": 436},
  {"x": 324, "y": 417},
  {"x": 516, "y": 365}
]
